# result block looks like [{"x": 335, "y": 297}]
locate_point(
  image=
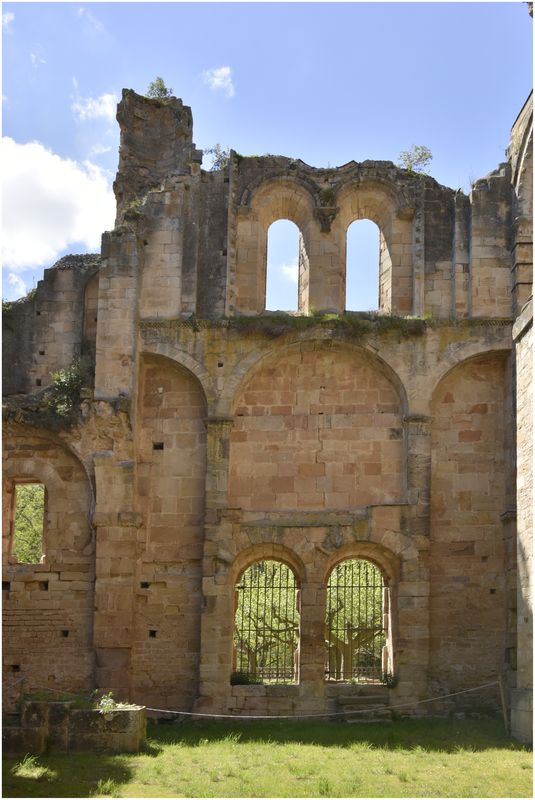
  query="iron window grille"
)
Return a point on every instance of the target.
[
  {"x": 356, "y": 623},
  {"x": 266, "y": 634}
]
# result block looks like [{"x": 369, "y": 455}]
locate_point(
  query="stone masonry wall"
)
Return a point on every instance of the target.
[
  {"x": 217, "y": 435},
  {"x": 48, "y": 607},
  {"x": 170, "y": 486},
  {"x": 316, "y": 429},
  {"x": 44, "y": 332},
  {"x": 467, "y": 501},
  {"x": 522, "y": 695}
]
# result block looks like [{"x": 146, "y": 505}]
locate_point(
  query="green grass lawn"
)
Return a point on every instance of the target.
[{"x": 411, "y": 758}]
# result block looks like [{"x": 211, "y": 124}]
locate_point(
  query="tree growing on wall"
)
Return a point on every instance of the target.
[
  {"x": 158, "y": 89},
  {"x": 416, "y": 159},
  {"x": 220, "y": 156}
]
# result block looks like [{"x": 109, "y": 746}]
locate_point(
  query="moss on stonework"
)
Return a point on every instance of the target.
[{"x": 355, "y": 324}]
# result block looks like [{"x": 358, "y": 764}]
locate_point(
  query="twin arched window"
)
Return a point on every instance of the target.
[
  {"x": 364, "y": 246},
  {"x": 267, "y": 624}
]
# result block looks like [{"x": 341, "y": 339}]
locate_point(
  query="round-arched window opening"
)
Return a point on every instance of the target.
[
  {"x": 282, "y": 268},
  {"x": 364, "y": 252},
  {"x": 266, "y": 625},
  {"x": 356, "y": 623}
]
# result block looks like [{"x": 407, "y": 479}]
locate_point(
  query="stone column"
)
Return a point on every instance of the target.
[
  {"x": 116, "y": 554},
  {"x": 117, "y": 308},
  {"x": 413, "y": 589},
  {"x": 325, "y": 248},
  {"x": 217, "y": 617},
  {"x": 312, "y": 646},
  {"x": 218, "y": 431}
]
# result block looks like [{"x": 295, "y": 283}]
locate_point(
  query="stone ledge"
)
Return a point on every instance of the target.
[{"x": 58, "y": 727}]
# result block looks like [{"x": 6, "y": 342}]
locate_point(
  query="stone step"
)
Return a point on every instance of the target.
[{"x": 362, "y": 700}]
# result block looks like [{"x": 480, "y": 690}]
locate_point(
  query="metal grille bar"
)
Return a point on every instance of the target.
[
  {"x": 266, "y": 634},
  {"x": 355, "y": 634}
]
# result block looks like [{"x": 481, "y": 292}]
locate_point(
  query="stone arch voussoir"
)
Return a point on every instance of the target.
[{"x": 182, "y": 359}]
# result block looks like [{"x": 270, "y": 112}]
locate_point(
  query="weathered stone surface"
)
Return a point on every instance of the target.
[{"x": 57, "y": 727}]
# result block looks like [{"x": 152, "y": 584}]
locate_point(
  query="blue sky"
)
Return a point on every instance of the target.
[{"x": 324, "y": 82}]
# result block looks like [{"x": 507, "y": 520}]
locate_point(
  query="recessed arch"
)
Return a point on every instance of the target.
[
  {"x": 45, "y": 460},
  {"x": 275, "y": 199},
  {"x": 183, "y": 360},
  {"x": 470, "y": 442},
  {"x": 257, "y": 552},
  {"x": 380, "y": 202},
  {"x": 385, "y": 559},
  {"x": 317, "y": 340},
  {"x": 316, "y": 427}
]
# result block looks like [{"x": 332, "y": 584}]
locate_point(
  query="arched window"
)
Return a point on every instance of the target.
[
  {"x": 282, "y": 271},
  {"x": 266, "y": 633},
  {"x": 356, "y": 625},
  {"x": 363, "y": 255},
  {"x": 28, "y": 522}
]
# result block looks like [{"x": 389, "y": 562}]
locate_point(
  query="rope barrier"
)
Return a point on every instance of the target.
[
  {"x": 326, "y": 714},
  {"x": 295, "y": 716}
]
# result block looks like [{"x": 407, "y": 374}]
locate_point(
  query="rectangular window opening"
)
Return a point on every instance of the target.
[
  {"x": 28, "y": 522},
  {"x": 157, "y": 445}
]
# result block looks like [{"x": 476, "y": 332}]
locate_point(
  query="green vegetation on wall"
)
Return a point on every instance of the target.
[{"x": 28, "y": 522}]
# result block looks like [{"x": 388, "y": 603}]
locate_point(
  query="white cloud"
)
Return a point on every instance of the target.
[
  {"x": 50, "y": 203},
  {"x": 7, "y": 19},
  {"x": 19, "y": 287},
  {"x": 99, "y": 149},
  {"x": 103, "y": 107},
  {"x": 290, "y": 272},
  {"x": 92, "y": 21},
  {"x": 220, "y": 79},
  {"x": 36, "y": 59}
]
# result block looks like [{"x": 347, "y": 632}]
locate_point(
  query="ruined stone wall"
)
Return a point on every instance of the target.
[
  {"x": 48, "y": 606},
  {"x": 522, "y": 694},
  {"x": 45, "y": 331},
  {"x": 170, "y": 487},
  {"x": 217, "y": 435}
]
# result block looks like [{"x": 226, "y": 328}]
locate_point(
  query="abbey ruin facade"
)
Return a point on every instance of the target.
[{"x": 213, "y": 436}]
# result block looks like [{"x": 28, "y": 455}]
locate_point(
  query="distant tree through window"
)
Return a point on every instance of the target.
[
  {"x": 362, "y": 266},
  {"x": 28, "y": 522},
  {"x": 266, "y": 633},
  {"x": 282, "y": 266}
]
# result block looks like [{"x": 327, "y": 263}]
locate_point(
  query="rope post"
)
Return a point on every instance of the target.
[{"x": 504, "y": 706}]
